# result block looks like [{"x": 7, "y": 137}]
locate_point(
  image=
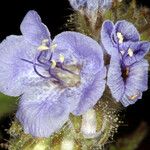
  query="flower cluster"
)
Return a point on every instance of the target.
[
  {"x": 91, "y": 9},
  {"x": 128, "y": 70},
  {"x": 67, "y": 74},
  {"x": 90, "y": 5}
]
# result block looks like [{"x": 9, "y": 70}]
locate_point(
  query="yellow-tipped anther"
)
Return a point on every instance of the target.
[
  {"x": 53, "y": 65},
  {"x": 134, "y": 97},
  {"x": 130, "y": 52},
  {"x": 43, "y": 48},
  {"x": 61, "y": 58},
  {"x": 53, "y": 47},
  {"x": 120, "y": 37}
]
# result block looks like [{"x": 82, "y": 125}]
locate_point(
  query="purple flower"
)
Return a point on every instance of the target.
[
  {"x": 128, "y": 70},
  {"x": 114, "y": 35},
  {"x": 90, "y": 5},
  {"x": 55, "y": 77}
]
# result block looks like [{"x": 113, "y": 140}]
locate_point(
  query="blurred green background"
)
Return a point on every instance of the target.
[{"x": 8, "y": 106}]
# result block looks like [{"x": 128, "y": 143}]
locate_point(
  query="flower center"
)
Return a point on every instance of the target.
[{"x": 57, "y": 71}]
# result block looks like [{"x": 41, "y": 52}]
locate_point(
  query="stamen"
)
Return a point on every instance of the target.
[
  {"x": 32, "y": 62},
  {"x": 44, "y": 60},
  {"x": 34, "y": 66},
  {"x": 133, "y": 97},
  {"x": 53, "y": 63},
  {"x": 39, "y": 58},
  {"x": 59, "y": 65},
  {"x": 50, "y": 57},
  {"x": 130, "y": 52},
  {"x": 38, "y": 73},
  {"x": 120, "y": 37},
  {"x": 43, "y": 48},
  {"x": 61, "y": 58},
  {"x": 53, "y": 76}
]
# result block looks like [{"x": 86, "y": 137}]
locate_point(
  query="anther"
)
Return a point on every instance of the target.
[
  {"x": 61, "y": 58},
  {"x": 42, "y": 48},
  {"x": 130, "y": 52},
  {"x": 133, "y": 97},
  {"x": 120, "y": 37},
  {"x": 53, "y": 63}
]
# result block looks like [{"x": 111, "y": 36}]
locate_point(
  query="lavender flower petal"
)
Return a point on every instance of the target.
[
  {"x": 112, "y": 36},
  {"x": 136, "y": 83},
  {"x": 106, "y": 38},
  {"x": 91, "y": 93},
  {"x": 15, "y": 72},
  {"x": 128, "y": 31},
  {"x": 114, "y": 79},
  {"x": 33, "y": 29},
  {"x": 127, "y": 72},
  {"x": 82, "y": 48},
  {"x": 87, "y": 53},
  {"x": 43, "y": 110},
  {"x": 128, "y": 90}
]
